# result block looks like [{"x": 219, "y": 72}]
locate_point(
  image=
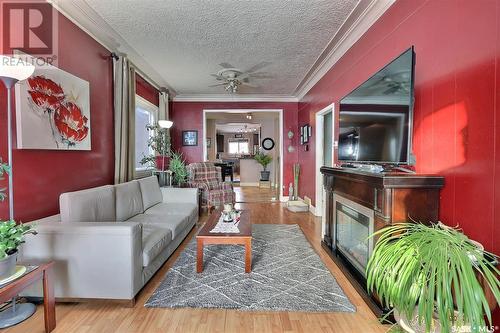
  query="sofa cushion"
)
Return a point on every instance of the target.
[
  {"x": 171, "y": 208},
  {"x": 92, "y": 205},
  {"x": 150, "y": 190},
  {"x": 154, "y": 240},
  {"x": 128, "y": 200},
  {"x": 174, "y": 223}
]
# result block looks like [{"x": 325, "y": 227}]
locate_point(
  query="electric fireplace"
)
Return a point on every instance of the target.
[{"x": 352, "y": 226}]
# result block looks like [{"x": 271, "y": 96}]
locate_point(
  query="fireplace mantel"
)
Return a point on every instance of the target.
[{"x": 393, "y": 198}]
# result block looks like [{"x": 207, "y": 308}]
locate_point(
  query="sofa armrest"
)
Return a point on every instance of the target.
[
  {"x": 92, "y": 259},
  {"x": 180, "y": 195}
]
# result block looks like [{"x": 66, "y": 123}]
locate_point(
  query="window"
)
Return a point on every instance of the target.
[
  {"x": 145, "y": 114},
  {"x": 238, "y": 147}
]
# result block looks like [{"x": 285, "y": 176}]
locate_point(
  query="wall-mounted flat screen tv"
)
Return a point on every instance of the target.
[{"x": 376, "y": 118}]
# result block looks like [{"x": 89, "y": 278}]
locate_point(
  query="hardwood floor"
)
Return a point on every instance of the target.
[
  {"x": 96, "y": 317},
  {"x": 251, "y": 194}
]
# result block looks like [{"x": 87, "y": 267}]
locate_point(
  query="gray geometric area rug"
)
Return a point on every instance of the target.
[{"x": 287, "y": 275}]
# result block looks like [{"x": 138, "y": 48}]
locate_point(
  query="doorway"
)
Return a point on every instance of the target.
[
  {"x": 325, "y": 145},
  {"x": 234, "y": 136}
]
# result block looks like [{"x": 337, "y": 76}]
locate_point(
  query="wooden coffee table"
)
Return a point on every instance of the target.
[{"x": 244, "y": 237}]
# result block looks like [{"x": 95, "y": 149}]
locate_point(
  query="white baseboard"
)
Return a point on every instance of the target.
[
  {"x": 250, "y": 184},
  {"x": 314, "y": 211}
]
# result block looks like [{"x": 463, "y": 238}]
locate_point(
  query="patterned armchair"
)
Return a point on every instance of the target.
[{"x": 207, "y": 177}]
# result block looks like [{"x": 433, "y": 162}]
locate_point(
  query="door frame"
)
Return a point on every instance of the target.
[
  {"x": 320, "y": 120},
  {"x": 281, "y": 136}
]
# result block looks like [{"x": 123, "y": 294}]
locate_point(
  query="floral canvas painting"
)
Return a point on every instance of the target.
[{"x": 53, "y": 111}]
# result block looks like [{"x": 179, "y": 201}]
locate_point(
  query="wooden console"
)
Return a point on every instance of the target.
[{"x": 393, "y": 197}]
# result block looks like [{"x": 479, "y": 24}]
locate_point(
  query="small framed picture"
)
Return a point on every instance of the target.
[
  {"x": 301, "y": 139},
  {"x": 238, "y": 136},
  {"x": 301, "y": 131},
  {"x": 306, "y": 135},
  {"x": 309, "y": 130},
  {"x": 190, "y": 138},
  {"x": 209, "y": 142}
]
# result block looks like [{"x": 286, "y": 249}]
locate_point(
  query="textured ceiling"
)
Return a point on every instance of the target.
[{"x": 186, "y": 40}]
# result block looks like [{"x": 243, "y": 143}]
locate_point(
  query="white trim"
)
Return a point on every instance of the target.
[
  {"x": 312, "y": 210},
  {"x": 234, "y": 98},
  {"x": 342, "y": 42},
  {"x": 319, "y": 154},
  {"x": 282, "y": 136},
  {"x": 147, "y": 104}
]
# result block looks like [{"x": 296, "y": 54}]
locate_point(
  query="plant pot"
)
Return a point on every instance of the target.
[
  {"x": 8, "y": 266},
  {"x": 412, "y": 326},
  {"x": 162, "y": 162},
  {"x": 264, "y": 175}
]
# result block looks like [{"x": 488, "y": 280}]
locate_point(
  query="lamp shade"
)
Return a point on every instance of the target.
[
  {"x": 165, "y": 123},
  {"x": 15, "y": 68}
]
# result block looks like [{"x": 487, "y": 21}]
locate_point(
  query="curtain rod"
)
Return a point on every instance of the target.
[{"x": 142, "y": 74}]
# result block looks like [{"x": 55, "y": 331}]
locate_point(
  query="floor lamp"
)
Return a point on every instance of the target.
[
  {"x": 13, "y": 70},
  {"x": 165, "y": 124}
]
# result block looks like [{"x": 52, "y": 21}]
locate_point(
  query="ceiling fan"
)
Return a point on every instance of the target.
[{"x": 233, "y": 77}]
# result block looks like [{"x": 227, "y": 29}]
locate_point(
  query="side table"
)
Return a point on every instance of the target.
[{"x": 44, "y": 272}]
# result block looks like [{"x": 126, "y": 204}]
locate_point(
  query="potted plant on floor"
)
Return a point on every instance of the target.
[
  {"x": 178, "y": 168},
  {"x": 435, "y": 278},
  {"x": 264, "y": 160},
  {"x": 159, "y": 142}
]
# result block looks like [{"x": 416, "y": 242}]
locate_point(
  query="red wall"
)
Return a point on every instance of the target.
[
  {"x": 40, "y": 176},
  {"x": 457, "y": 101},
  {"x": 189, "y": 116},
  {"x": 146, "y": 90}
]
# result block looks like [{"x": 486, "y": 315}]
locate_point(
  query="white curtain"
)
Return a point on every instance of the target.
[{"x": 124, "y": 105}]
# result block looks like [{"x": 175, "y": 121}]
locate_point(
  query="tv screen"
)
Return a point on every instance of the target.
[{"x": 375, "y": 120}]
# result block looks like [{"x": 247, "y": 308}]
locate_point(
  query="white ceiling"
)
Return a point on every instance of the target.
[{"x": 184, "y": 41}]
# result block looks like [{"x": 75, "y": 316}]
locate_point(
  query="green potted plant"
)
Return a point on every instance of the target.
[
  {"x": 159, "y": 142},
  {"x": 11, "y": 236},
  {"x": 264, "y": 160},
  {"x": 178, "y": 168},
  {"x": 4, "y": 168},
  {"x": 435, "y": 278}
]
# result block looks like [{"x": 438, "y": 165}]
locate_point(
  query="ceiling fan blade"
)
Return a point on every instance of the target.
[
  {"x": 226, "y": 65},
  {"x": 248, "y": 85},
  {"x": 262, "y": 75},
  {"x": 258, "y": 66},
  {"x": 217, "y": 85},
  {"x": 217, "y": 77}
]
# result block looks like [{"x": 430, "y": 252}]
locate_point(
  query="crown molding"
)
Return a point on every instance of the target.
[
  {"x": 234, "y": 98},
  {"x": 364, "y": 15},
  {"x": 87, "y": 19}
]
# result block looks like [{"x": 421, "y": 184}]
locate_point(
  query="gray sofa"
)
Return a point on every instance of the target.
[{"x": 108, "y": 241}]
